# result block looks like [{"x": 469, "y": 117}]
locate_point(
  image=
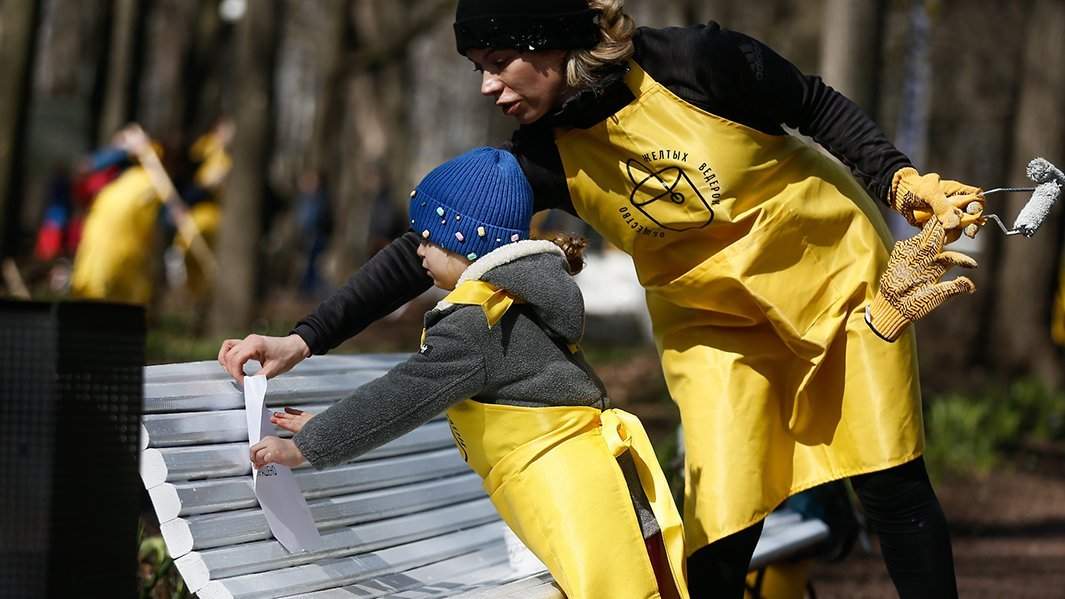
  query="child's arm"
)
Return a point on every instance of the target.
[{"x": 449, "y": 368}]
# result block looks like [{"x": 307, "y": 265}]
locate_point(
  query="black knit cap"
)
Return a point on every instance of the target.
[{"x": 525, "y": 25}]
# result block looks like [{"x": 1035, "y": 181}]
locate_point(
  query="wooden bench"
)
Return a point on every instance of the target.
[{"x": 408, "y": 519}]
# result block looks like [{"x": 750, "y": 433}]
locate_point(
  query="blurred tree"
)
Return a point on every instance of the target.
[
  {"x": 333, "y": 43},
  {"x": 241, "y": 231},
  {"x": 121, "y": 72},
  {"x": 204, "y": 69},
  {"x": 18, "y": 28},
  {"x": 377, "y": 134},
  {"x": 169, "y": 30},
  {"x": 1028, "y": 270},
  {"x": 973, "y": 112},
  {"x": 850, "y": 49}
]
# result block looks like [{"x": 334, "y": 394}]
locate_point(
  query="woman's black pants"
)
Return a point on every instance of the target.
[{"x": 902, "y": 510}]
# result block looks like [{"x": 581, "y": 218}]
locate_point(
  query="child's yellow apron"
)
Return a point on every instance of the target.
[
  {"x": 552, "y": 473},
  {"x": 757, "y": 254}
]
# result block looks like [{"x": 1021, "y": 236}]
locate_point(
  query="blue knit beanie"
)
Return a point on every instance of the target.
[{"x": 473, "y": 204}]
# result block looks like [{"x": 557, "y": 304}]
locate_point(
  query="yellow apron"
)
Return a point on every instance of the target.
[
  {"x": 114, "y": 258},
  {"x": 757, "y": 253},
  {"x": 553, "y": 476}
]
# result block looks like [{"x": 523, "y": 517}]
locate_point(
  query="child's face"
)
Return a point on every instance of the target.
[{"x": 444, "y": 266}]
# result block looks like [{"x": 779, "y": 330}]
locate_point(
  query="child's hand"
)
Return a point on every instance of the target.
[
  {"x": 291, "y": 419},
  {"x": 272, "y": 450}
]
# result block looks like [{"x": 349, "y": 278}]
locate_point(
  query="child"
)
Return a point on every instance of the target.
[{"x": 571, "y": 477}]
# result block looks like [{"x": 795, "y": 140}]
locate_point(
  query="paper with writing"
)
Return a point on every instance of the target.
[{"x": 278, "y": 493}]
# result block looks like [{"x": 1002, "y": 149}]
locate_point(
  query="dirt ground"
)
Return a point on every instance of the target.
[{"x": 1008, "y": 529}]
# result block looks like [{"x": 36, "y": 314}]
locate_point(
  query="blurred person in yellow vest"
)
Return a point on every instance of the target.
[
  {"x": 212, "y": 165},
  {"x": 114, "y": 259}
]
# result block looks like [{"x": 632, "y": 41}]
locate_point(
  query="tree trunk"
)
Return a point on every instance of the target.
[
  {"x": 968, "y": 139},
  {"x": 18, "y": 31},
  {"x": 202, "y": 106},
  {"x": 327, "y": 113},
  {"x": 850, "y": 49},
  {"x": 376, "y": 161},
  {"x": 1029, "y": 267},
  {"x": 170, "y": 29},
  {"x": 241, "y": 229},
  {"x": 118, "y": 92}
]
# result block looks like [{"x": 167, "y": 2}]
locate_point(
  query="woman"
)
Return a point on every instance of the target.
[{"x": 759, "y": 256}]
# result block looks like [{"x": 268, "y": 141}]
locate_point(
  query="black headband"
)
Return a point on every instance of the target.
[{"x": 525, "y": 25}]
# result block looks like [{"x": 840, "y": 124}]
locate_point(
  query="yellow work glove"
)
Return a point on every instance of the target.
[
  {"x": 910, "y": 287},
  {"x": 917, "y": 197}
]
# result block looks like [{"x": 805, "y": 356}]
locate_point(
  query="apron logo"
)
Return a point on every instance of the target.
[
  {"x": 458, "y": 441},
  {"x": 668, "y": 197}
]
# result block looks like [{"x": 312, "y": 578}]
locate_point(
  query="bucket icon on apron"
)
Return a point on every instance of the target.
[{"x": 668, "y": 197}]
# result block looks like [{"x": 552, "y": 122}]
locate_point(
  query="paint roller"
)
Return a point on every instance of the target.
[{"x": 1049, "y": 180}]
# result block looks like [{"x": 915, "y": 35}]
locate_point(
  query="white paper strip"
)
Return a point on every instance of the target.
[{"x": 283, "y": 504}]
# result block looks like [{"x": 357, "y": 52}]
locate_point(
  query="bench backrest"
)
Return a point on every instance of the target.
[{"x": 408, "y": 516}]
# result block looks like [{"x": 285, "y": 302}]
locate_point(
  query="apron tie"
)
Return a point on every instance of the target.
[
  {"x": 494, "y": 301},
  {"x": 623, "y": 432}
]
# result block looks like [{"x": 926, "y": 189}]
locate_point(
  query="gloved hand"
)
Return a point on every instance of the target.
[
  {"x": 910, "y": 287},
  {"x": 917, "y": 197}
]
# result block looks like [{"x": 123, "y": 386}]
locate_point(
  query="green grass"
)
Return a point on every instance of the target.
[{"x": 969, "y": 434}]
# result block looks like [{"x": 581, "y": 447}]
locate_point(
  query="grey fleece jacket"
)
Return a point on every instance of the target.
[
  {"x": 522, "y": 360},
  {"x": 516, "y": 362}
]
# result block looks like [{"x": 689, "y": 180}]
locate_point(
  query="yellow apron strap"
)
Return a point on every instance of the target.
[
  {"x": 494, "y": 301},
  {"x": 623, "y": 432},
  {"x": 637, "y": 79}
]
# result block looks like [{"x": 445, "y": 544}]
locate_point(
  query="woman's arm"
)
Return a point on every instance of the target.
[
  {"x": 392, "y": 277},
  {"x": 806, "y": 103},
  {"x": 389, "y": 279},
  {"x": 449, "y": 368}
]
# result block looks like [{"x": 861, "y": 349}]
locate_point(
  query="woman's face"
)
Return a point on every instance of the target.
[
  {"x": 525, "y": 85},
  {"x": 443, "y": 266}
]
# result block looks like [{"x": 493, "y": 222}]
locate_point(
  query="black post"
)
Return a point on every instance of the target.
[{"x": 71, "y": 395}]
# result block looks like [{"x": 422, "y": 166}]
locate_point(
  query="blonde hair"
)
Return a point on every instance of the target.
[{"x": 584, "y": 67}]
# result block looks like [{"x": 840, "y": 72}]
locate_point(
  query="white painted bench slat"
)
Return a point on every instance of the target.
[
  {"x": 209, "y": 370},
  {"x": 198, "y": 567},
  {"x": 227, "y": 528},
  {"x": 205, "y": 496},
  {"x": 170, "y": 464},
  {"x": 225, "y": 395},
  {"x": 540, "y": 586},
  {"x": 331, "y": 573},
  {"x": 445, "y": 578}
]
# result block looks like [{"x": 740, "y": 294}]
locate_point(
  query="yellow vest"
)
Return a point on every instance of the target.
[
  {"x": 757, "y": 253},
  {"x": 114, "y": 258},
  {"x": 553, "y": 476}
]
